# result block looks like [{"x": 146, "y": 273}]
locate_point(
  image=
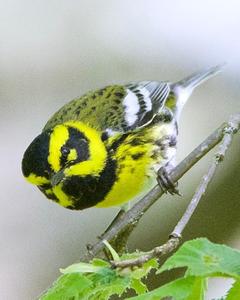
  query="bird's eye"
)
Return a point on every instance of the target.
[{"x": 65, "y": 151}]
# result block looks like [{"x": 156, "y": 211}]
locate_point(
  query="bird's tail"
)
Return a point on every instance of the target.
[
  {"x": 184, "y": 88},
  {"x": 198, "y": 78}
]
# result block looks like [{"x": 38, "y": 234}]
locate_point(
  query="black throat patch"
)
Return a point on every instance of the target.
[{"x": 89, "y": 190}]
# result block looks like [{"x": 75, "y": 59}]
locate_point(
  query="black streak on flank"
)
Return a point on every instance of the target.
[
  {"x": 119, "y": 141},
  {"x": 136, "y": 142},
  {"x": 137, "y": 155}
]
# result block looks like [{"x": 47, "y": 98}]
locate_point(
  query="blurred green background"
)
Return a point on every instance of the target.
[{"x": 52, "y": 51}]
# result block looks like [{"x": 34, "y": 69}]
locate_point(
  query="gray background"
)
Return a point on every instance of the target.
[{"x": 52, "y": 51}]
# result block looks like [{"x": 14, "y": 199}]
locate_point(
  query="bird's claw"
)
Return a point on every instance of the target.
[{"x": 166, "y": 183}]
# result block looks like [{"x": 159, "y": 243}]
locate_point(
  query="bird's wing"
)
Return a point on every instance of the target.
[
  {"x": 151, "y": 96},
  {"x": 115, "y": 108}
]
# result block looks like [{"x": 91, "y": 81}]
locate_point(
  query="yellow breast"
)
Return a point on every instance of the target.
[
  {"x": 132, "y": 173},
  {"x": 138, "y": 158}
]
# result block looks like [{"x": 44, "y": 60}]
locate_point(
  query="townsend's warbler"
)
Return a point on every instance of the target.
[{"x": 105, "y": 148}]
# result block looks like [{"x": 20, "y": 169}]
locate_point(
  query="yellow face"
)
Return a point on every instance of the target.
[{"x": 65, "y": 163}]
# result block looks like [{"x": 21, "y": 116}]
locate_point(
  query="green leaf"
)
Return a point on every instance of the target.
[
  {"x": 179, "y": 289},
  {"x": 114, "y": 254},
  {"x": 88, "y": 286},
  {"x": 100, "y": 262},
  {"x": 107, "y": 283},
  {"x": 143, "y": 271},
  {"x": 69, "y": 286},
  {"x": 204, "y": 258},
  {"x": 234, "y": 292},
  {"x": 138, "y": 286},
  {"x": 81, "y": 268},
  {"x": 98, "y": 281},
  {"x": 198, "y": 289}
]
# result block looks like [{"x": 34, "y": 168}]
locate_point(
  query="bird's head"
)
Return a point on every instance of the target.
[{"x": 65, "y": 162}]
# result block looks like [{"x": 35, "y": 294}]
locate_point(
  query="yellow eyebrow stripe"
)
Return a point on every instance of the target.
[
  {"x": 58, "y": 138},
  {"x": 97, "y": 151}
]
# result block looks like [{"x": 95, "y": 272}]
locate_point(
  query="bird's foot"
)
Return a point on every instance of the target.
[{"x": 166, "y": 183}]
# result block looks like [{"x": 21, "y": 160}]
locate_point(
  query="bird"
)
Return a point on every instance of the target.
[{"x": 111, "y": 145}]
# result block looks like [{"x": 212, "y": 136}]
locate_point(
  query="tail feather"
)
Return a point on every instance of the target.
[
  {"x": 184, "y": 88},
  {"x": 198, "y": 78}
]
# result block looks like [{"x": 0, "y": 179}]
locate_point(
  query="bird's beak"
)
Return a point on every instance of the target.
[{"x": 57, "y": 178}]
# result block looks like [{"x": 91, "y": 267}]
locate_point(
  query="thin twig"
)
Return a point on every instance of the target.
[
  {"x": 135, "y": 213},
  {"x": 233, "y": 126},
  {"x": 195, "y": 200},
  {"x": 159, "y": 251},
  {"x": 175, "y": 236}
]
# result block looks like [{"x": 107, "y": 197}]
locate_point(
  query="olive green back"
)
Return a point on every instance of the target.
[{"x": 100, "y": 109}]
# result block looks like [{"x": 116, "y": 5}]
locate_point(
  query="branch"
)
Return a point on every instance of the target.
[
  {"x": 159, "y": 251},
  {"x": 175, "y": 236},
  {"x": 229, "y": 131},
  {"x": 133, "y": 215}
]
